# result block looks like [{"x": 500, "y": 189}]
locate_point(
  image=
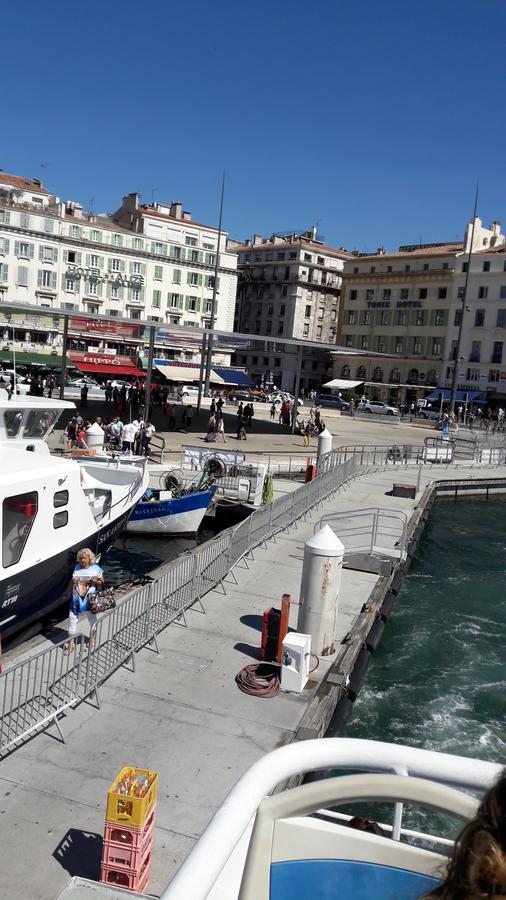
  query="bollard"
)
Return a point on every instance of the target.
[
  {"x": 319, "y": 590},
  {"x": 324, "y": 443},
  {"x": 95, "y": 437}
]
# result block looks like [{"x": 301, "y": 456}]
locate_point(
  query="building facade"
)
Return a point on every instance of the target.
[
  {"x": 482, "y": 357},
  {"x": 400, "y": 307},
  {"x": 289, "y": 287},
  {"x": 149, "y": 262}
]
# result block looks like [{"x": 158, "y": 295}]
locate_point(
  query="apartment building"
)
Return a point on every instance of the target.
[
  {"x": 289, "y": 287},
  {"x": 482, "y": 357},
  {"x": 401, "y": 307},
  {"x": 144, "y": 261}
]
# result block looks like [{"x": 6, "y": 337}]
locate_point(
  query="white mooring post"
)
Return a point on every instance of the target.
[
  {"x": 319, "y": 590},
  {"x": 324, "y": 443}
]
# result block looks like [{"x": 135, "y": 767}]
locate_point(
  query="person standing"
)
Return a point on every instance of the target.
[
  {"x": 211, "y": 430},
  {"x": 128, "y": 435},
  {"x": 273, "y": 412},
  {"x": 241, "y": 425},
  {"x": 86, "y": 578},
  {"x": 84, "y": 395},
  {"x": 188, "y": 417},
  {"x": 212, "y": 408},
  {"x": 149, "y": 431},
  {"x": 221, "y": 427},
  {"x": 352, "y": 408},
  {"x": 308, "y": 428},
  {"x": 219, "y": 405}
]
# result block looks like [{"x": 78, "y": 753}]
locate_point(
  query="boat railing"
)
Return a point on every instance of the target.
[
  {"x": 215, "y": 846},
  {"x": 108, "y": 512}
]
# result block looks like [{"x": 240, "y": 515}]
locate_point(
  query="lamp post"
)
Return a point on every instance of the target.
[
  {"x": 462, "y": 296},
  {"x": 210, "y": 339}
]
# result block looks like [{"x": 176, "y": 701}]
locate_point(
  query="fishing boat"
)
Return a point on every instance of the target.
[
  {"x": 51, "y": 506},
  {"x": 161, "y": 513},
  {"x": 274, "y": 838}
]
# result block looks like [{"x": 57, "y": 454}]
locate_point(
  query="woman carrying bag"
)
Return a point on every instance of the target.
[{"x": 86, "y": 578}]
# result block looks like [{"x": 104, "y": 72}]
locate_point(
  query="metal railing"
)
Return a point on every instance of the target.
[
  {"x": 157, "y": 447},
  {"x": 34, "y": 693},
  {"x": 374, "y": 530}
]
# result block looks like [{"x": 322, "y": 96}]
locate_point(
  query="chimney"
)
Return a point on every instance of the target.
[
  {"x": 187, "y": 216},
  {"x": 257, "y": 239},
  {"x": 176, "y": 209}
]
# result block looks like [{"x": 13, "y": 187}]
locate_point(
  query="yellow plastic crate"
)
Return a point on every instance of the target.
[{"x": 126, "y": 809}]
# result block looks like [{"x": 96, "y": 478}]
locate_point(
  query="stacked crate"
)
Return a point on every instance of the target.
[{"x": 129, "y": 829}]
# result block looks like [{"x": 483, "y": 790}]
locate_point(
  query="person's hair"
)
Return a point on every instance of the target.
[
  {"x": 477, "y": 868},
  {"x": 361, "y": 823},
  {"x": 85, "y": 551}
]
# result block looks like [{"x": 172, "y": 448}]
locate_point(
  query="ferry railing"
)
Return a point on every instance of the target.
[{"x": 211, "y": 852}]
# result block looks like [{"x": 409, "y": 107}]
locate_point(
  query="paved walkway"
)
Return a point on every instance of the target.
[{"x": 180, "y": 714}]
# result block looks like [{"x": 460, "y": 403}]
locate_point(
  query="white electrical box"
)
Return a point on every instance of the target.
[{"x": 295, "y": 661}]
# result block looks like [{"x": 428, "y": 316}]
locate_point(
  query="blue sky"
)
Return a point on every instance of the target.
[{"x": 372, "y": 119}]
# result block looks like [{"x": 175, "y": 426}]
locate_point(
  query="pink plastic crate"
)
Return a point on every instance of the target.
[
  {"x": 128, "y": 879},
  {"x": 124, "y": 856},
  {"x": 128, "y": 835}
]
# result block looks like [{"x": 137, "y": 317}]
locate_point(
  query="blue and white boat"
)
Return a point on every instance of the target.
[{"x": 159, "y": 512}]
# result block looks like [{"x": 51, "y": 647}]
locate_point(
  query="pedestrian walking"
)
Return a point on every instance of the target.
[
  {"x": 273, "y": 412},
  {"x": 86, "y": 578},
  {"x": 84, "y": 395},
  {"x": 241, "y": 426},
  {"x": 219, "y": 405},
  {"x": 212, "y": 408},
  {"x": 308, "y": 430},
  {"x": 188, "y": 417},
  {"x": 147, "y": 434},
  {"x": 352, "y": 409},
  {"x": 211, "y": 430},
  {"x": 221, "y": 428}
]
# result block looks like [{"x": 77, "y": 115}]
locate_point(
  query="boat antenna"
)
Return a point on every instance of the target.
[{"x": 462, "y": 297}]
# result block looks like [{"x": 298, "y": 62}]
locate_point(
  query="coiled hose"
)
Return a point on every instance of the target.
[{"x": 259, "y": 680}]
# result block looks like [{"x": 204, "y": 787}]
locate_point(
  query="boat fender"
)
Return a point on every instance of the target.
[
  {"x": 373, "y": 638},
  {"x": 397, "y": 581},
  {"x": 387, "y": 606},
  {"x": 341, "y": 715},
  {"x": 358, "y": 673}
]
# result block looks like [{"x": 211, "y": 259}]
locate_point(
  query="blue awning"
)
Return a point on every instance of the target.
[
  {"x": 233, "y": 376},
  {"x": 472, "y": 396}
]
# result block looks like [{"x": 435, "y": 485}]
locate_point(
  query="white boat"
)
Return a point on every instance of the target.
[
  {"x": 267, "y": 845},
  {"x": 52, "y": 506},
  {"x": 160, "y": 513}
]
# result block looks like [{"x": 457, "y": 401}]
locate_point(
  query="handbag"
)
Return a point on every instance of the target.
[{"x": 103, "y": 601}]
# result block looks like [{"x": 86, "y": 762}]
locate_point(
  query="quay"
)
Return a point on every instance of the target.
[{"x": 180, "y": 713}]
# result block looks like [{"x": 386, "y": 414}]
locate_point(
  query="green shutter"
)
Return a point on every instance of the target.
[
  {"x": 65, "y": 256},
  {"x": 122, "y": 265},
  {"x": 187, "y": 303},
  {"x": 99, "y": 289},
  {"x": 101, "y": 262},
  {"x": 78, "y": 259},
  {"x": 188, "y": 278},
  {"x": 199, "y": 303},
  {"x": 200, "y": 279},
  {"x": 109, "y": 289},
  {"x": 62, "y": 280},
  {"x": 88, "y": 260}
]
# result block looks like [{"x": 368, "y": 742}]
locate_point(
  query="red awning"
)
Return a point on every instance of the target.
[{"x": 112, "y": 371}]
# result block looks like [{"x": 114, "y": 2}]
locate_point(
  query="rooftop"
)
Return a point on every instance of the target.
[{"x": 18, "y": 182}]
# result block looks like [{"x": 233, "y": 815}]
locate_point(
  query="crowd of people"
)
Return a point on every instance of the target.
[{"x": 130, "y": 437}]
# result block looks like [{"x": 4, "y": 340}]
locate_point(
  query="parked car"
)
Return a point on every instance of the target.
[
  {"x": 82, "y": 382},
  {"x": 378, "y": 407},
  {"x": 187, "y": 390},
  {"x": 22, "y": 385},
  {"x": 427, "y": 412},
  {"x": 331, "y": 402},
  {"x": 118, "y": 383},
  {"x": 244, "y": 396},
  {"x": 281, "y": 396}
]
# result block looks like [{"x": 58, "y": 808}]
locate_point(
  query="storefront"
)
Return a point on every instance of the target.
[{"x": 106, "y": 365}]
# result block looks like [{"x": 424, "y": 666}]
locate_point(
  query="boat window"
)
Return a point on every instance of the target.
[
  {"x": 13, "y": 419},
  {"x": 61, "y": 498},
  {"x": 19, "y": 514},
  {"x": 39, "y": 422},
  {"x": 60, "y": 519}
]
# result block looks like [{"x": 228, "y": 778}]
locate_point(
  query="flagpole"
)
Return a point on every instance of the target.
[
  {"x": 210, "y": 340},
  {"x": 453, "y": 393}
]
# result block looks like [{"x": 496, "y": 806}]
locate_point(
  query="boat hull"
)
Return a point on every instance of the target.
[
  {"x": 180, "y": 515},
  {"x": 31, "y": 594}
]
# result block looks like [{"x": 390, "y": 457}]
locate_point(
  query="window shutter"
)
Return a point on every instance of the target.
[
  {"x": 88, "y": 260},
  {"x": 39, "y": 278},
  {"x": 99, "y": 289},
  {"x": 30, "y": 251},
  {"x": 16, "y": 248},
  {"x": 187, "y": 303},
  {"x": 109, "y": 289},
  {"x": 41, "y": 253},
  {"x": 100, "y": 262},
  {"x": 122, "y": 265},
  {"x": 78, "y": 259},
  {"x": 198, "y": 305},
  {"x": 200, "y": 279},
  {"x": 188, "y": 278},
  {"x": 65, "y": 256},
  {"x": 55, "y": 254}
]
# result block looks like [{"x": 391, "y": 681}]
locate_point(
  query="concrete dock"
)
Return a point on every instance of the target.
[{"x": 180, "y": 714}]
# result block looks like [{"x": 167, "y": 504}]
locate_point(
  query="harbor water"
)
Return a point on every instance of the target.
[{"x": 437, "y": 679}]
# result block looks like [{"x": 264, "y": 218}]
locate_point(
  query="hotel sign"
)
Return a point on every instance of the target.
[
  {"x": 113, "y": 277},
  {"x": 401, "y": 304}
]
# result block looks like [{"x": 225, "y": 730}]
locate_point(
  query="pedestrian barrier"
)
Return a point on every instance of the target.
[{"x": 36, "y": 692}]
